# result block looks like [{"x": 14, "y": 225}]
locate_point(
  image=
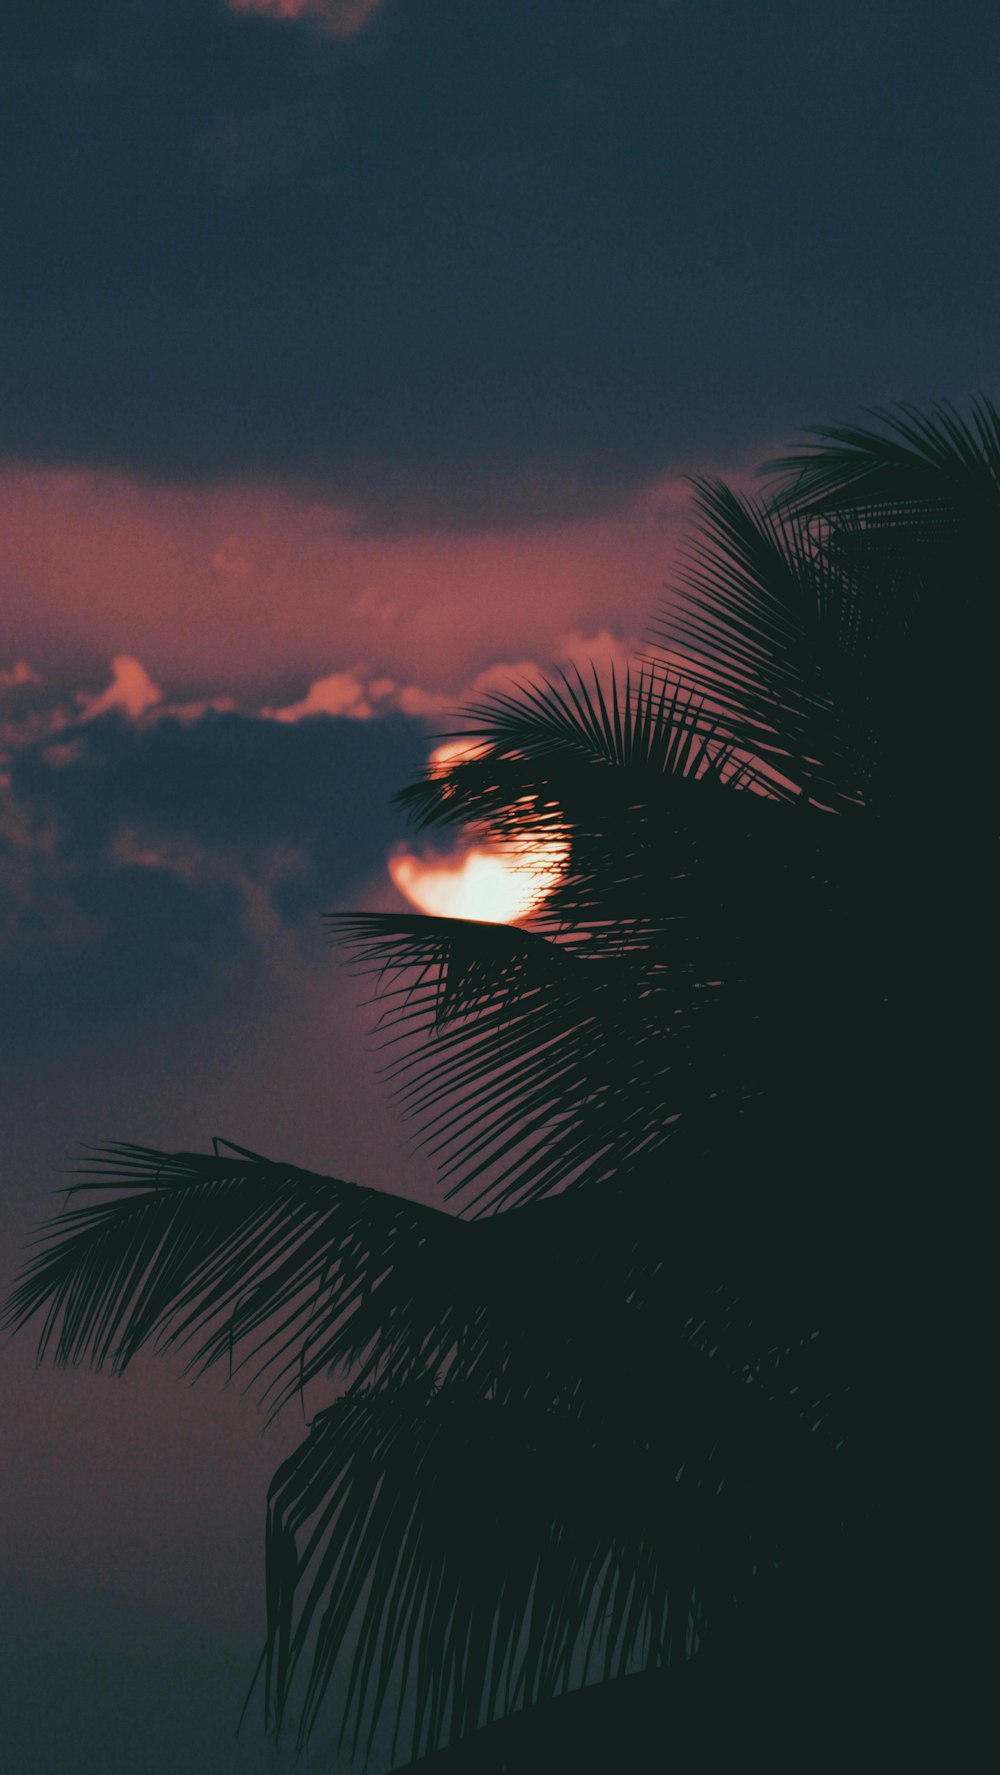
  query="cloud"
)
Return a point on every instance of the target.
[
  {"x": 20, "y": 673},
  {"x": 341, "y": 693},
  {"x": 143, "y": 839},
  {"x": 256, "y": 590},
  {"x": 144, "y": 856},
  {"x": 131, "y": 691},
  {"x": 358, "y": 697},
  {"x": 600, "y": 653},
  {"x": 147, "y": 843},
  {"x": 30, "y": 712},
  {"x": 469, "y": 264},
  {"x": 335, "y": 18},
  {"x": 231, "y": 561}
]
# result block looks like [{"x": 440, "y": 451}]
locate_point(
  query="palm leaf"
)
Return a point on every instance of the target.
[
  {"x": 929, "y": 469},
  {"x": 510, "y": 1093},
  {"x": 567, "y": 1052},
  {"x": 468, "y": 1555},
  {"x": 229, "y": 1251},
  {"x": 529, "y": 1059},
  {"x": 472, "y": 1523},
  {"x": 823, "y": 625},
  {"x": 778, "y": 630},
  {"x": 526, "y": 753},
  {"x": 907, "y": 513}
]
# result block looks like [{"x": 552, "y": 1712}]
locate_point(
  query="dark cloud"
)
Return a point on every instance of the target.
[
  {"x": 112, "y": 942},
  {"x": 233, "y": 779},
  {"x": 144, "y": 861},
  {"x": 486, "y": 260}
]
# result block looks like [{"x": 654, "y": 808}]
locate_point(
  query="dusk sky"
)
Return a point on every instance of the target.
[{"x": 354, "y": 354}]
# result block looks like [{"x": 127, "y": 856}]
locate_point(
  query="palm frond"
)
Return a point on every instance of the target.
[
  {"x": 229, "y": 1252},
  {"x": 907, "y": 514},
  {"x": 438, "y": 1534},
  {"x": 533, "y": 749},
  {"x": 567, "y": 1051},
  {"x": 821, "y": 624},
  {"x": 460, "y": 1550},
  {"x": 268, "y": 1268},
  {"x": 666, "y": 980},
  {"x": 481, "y": 1555},
  {"x": 545, "y": 1066},
  {"x": 776, "y": 631},
  {"x": 624, "y": 1723},
  {"x": 927, "y": 467},
  {"x": 606, "y": 788}
]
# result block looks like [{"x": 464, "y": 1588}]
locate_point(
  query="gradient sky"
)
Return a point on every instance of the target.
[{"x": 353, "y": 357}]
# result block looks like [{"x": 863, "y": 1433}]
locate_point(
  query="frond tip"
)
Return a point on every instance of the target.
[
  {"x": 908, "y": 462},
  {"x": 218, "y": 1253}
]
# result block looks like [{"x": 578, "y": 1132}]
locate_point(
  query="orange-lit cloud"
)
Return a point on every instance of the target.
[
  {"x": 358, "y": 696},
  {"x": 335, "y": 18},
  {"x": 131, "y": 691},
  {"x": 341, "y": 693}
]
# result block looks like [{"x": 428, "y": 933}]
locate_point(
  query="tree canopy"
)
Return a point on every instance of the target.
[{"x": 635, "y": 1418}]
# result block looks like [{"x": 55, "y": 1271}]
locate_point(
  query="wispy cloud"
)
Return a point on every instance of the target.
[
  {"x": 12, "y": 677},
  {"x": 335, "y": 18}
]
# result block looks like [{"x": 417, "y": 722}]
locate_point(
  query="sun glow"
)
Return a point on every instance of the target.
[{"x": 496, "y": 886}]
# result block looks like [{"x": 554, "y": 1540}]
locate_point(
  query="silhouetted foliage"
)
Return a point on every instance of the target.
[{"x": 640, "y": 1416}]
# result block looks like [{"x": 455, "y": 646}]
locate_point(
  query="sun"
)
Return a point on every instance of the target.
[{"x": 495, "y": 886}]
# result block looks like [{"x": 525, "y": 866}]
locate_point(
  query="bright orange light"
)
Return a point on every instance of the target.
[
  {"x": 452, "y": 751},
  {"x": 496, "y": 886}
]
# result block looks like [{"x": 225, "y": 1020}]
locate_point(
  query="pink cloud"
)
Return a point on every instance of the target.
[
  {"x": 131, "y": 691},
  {"x": 241, "y": 589},
  {"x": 359, "y": 697},
  {"x": 231, "y": 561},
  {"x": 341, "y": 693},
  {"x": 11, "y": 677},
  {"x": 357, "y": 694},
  {"x": 335, "y": 18}
]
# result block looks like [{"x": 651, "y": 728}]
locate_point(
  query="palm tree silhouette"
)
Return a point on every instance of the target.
[{"x": 617, "y": 1460}]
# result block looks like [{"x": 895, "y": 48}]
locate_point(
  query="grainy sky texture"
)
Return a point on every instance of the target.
[{"x": 353, "y": 356}]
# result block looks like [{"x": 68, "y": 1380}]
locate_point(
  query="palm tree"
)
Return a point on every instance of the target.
[{"x": 615, "y": 1457}]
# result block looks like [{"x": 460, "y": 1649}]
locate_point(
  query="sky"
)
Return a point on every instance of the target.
[{"x": 354, "y": 357}]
